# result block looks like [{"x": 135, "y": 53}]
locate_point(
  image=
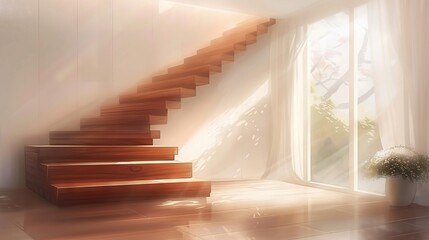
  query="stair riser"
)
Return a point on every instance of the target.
[
  {"x": 138, "y": 127},
  {"x": 166, "y": 94},
  {"x": 148, "y": 88},
  {"x": 96, "y": 141},
  {"x": 156, "y": 112},
  {"x": 101, "y": 154},
  {"x": 183, "y": 67},
  {"x": 240, "y": 39},
  {"x": 139, "y": 107},
  {"x": 214, "y": 50},
  {"x": 218, "y": 48},
  {"x": 122, "y": 121},
  {"x": 202, "y": 71},
  {"x": 123, "y": 193},
  {"x": 186, "y": 82},
  {"x": 118, "y": 172},
  {"x": 190, "y": 89},
  {"x": 211, "y": 59},
  {"x": 35, "y": 178},
  {"x": 103, "y": 138}
]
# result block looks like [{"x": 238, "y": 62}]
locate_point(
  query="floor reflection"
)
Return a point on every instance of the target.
[{"x": 236, "y": 210}]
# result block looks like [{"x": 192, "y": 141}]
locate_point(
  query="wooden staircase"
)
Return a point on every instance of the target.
[{"x": 112, "y": 157}]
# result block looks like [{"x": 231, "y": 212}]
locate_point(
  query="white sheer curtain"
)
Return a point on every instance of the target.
[
  {"x": 399, "y": 32},
  {"x": 286, "y": 160}
]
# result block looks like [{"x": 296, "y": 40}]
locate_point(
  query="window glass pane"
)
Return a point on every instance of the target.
[
  {"x": 369, "y": 139},
  {"x": 329, "y": 73}
]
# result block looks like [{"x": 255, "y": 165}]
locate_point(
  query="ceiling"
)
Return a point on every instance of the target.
[{"x": 265, "y": 8}]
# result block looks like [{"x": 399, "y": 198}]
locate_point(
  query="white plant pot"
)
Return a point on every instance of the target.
[{"x": 400, "y": 192}]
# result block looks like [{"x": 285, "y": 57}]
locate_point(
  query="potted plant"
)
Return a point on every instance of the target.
[{"x": 402, "y": 167}]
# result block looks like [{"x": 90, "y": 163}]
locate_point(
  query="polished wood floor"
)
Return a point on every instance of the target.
[{"x": 251, "y": 209}]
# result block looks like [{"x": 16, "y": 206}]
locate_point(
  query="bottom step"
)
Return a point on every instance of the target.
[{"x": 108, "y": 191}]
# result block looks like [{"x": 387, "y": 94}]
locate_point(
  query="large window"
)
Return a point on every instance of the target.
[{"x": 343, "y": 130}]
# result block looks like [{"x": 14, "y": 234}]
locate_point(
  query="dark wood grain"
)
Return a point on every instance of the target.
[
  {"x": 171, "y": 93},
  {"x": 121, "y": 122},
  {"x": 208, "y": 59},
  {"x": 103, "y": 137},
  {"x": 91, "y": 153},
  {"x": 75, "y": 193},
  {"x": 140, "y": 108},
  {"x": 204, "y": 70},
  {"x": 184, "y": 82},
  {"x": 88, "y": 172}
]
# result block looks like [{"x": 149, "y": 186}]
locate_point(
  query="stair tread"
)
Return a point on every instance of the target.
[
  {"x": 125, "y": 183},
  {"x": 139, "y": 107},
  {"x": 56, "y": 164},
  {"x": 125, "y": 119},
  {"x": 181, "y": 89},
  {"x": 183, "y": 82},
  {"x": 178, "y": 92},
  {"x": 135, "y": 115},
  {"x": 203, "y": 69},
  {"x": 108, "y": 132},
  {"x": 99, "y": 146}
]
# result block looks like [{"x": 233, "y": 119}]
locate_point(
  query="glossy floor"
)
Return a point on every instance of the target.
[{"x": 236, "y": 210}]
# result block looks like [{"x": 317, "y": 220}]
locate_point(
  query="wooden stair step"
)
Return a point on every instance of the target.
[
  {"x": 183, "y": 68},
  {"x": 246, "y": 37},
  {"x": 116, "y": 171},
  {"x": 221, "y": 43},
  {"x": 208, "y": 59},
  {"x": 223, "y": 49},
  {"x": 95, "y": 153},
  {"x": 121, "y": 122},
  {"x": 228, "y": 50},
  {"x": 216, "y": 59},
  {"x": 106, "y": 191},
  {"x": 154, "y": 112},
  {"x": 203, "y": 70},
  {"x": 172, "y": 93},
  {"x": 140, "y": 108},
  {"x": 103, "y": 137},
  {"x": 219, "y": 48},
  {"x": 184, "y": 82}
]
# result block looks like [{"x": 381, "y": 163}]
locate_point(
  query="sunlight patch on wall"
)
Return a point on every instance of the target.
[{"x": 212, "y": 134}]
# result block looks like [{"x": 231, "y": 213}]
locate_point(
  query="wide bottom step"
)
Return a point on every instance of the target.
[{"x": 109, "y": 191}]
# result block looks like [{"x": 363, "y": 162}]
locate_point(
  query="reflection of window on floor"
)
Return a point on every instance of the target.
[{"x": 342, "y": 101}]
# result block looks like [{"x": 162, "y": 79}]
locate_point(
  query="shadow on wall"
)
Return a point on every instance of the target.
[
  {"x": 234, "y": 138},
  {"x": 225, "y": 130}
]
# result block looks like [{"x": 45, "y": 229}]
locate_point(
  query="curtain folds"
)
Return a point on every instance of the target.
[
  {"x": 286, "y": 160},
  {"x": 399, "y": 31}
]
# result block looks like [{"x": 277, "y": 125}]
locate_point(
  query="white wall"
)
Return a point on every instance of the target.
[
  {"x": 225, "y": 131},
  {"x": 60, "y": 60}
]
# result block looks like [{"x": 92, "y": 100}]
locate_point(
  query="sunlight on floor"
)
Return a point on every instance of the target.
[{"x": 246, "y": 209}]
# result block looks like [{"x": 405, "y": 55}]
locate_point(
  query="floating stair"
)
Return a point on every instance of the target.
[
  {"x": 103, "y": 137},
  {"x": 112, "y": 156},
  {"x": 140, "y": 108}
]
